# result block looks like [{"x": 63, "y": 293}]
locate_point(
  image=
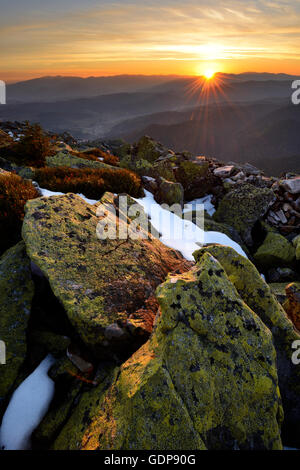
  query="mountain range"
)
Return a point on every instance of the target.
[{"x": 245, "y": 117}]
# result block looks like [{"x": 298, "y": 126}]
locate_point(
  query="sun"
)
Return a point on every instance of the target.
[{"x": 209, "y": 74}]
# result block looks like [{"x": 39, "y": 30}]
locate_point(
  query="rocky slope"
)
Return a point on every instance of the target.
[{"x": 152, "y": 351}]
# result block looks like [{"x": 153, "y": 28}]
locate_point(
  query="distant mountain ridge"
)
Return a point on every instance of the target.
[
  {"x": 56, "y": 88},
  {"x": 47, "y": 89}
]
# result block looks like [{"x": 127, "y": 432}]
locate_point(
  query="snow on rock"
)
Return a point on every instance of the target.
[
  {"x": 206, "y": 201},
  {"x": 27, "y": 408},
  {"x": 47, "y": 193},
  {"x": 179, "y": 234}
]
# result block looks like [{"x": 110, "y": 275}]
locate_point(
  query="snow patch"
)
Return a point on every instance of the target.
[
  {"x": 27, "y": 407},
  {"x": 167, "y": 223}
]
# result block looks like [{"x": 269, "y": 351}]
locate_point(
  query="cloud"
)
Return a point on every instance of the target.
[{"x": 76, "y": 32}]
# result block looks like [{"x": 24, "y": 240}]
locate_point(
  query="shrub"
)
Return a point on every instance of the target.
[
  {"x": 32, "y": 148},
  {"x": 91, "y": 183},
  {"x": 14, "y": 193}
]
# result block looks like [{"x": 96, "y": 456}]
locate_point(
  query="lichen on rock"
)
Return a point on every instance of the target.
[
  {"x": 62, "y": 159},
  {"x": 275, "y": 251},
  {"x": 16, "y": 293},
  {"x": 206, "y": 379},
  {"x": 256, "y": 293},
  {"x": 100, "y": 283},
  {"x": 242, "y": 207}
]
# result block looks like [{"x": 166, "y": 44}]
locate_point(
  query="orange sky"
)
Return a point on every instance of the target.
[{"x": 101, "y": 37}]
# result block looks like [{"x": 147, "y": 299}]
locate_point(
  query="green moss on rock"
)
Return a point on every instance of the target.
[
  {"x": 275, "y": 251},
  {"x": 103, "y": 284},
  {"x": 206, "y": 378},
  {"x": 16, "y": 293},
  {"x": 147, "y": 149},
  {"x": 243, "y": 207},
  {"x": 170, "y": 193},
  {"x": 68, "y": 160},
  {"x": 256, "y": 293}
]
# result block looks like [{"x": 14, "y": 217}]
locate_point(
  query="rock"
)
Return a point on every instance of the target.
[
  {"x": 292, "y": 304},
  {"x": 240, "y": 176},
  {"x": 196, "y": 178},
  {"x": 205, "y": 379},
  {"x": 224, "y": 171},
  {"x": 71, "y": 161},
  {"x": 100, "y": 283},
  {"x": 275, "y": 251},
  {"x": 282, "y": 275},
  {"x": 297, "y": 204},
  {"x": 296, "y": 244},
  {"x": 16, "y": 293},
  {"x": 23, "y": 171},
  {"x": 170, "y": 193},
  {"x": 251, "y": 170},
  {"x": 281, "y": 216},
  {"x": 257, "y": 295},
  {"x": 50, "y": 342},
  {"x": 278, "y": 290},
  {"x": 150, "y": 184},
  {"x": 242, "y": 207},
  {"x": 292, "y": 185},
  {"x": 148, "y": 149},
  {"x": 164, "y": 169}
]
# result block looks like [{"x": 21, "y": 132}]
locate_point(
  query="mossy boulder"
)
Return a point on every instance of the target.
[
  {"x": 67, "y": 160},
  {"x": 16, "y": 293},
  {"x": 206, "y": 379},
  {"x": 23, "y": 171},
  {"x": 164, "y": 169},
  {"x": 170, "y": 193},
  {"x": 296, "y": 244},
  {"x": 242, "y": 207},
  {"x": 147, "y": 149},
  {"x": 275, "y": 251},
  {"x": 190, "y": 171},
  {"x": 256, "y": 293},
  {"x": 195, "y": 178},
  {"x": 106, "y": 285}
]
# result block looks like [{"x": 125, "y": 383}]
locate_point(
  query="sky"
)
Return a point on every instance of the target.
[{"x": 186, "y": 37}]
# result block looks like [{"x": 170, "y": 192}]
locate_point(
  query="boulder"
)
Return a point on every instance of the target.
[
  {"x": 16, "y": 294},
  {"x": 283, "y": 275},
  {"x": 195, "y": 177},
  {"x": 242, "y": 207},
  {"x": 206, "y": 379},
  {"x": 258, "y": 296},
  {"x": 292, "y": 304},
  {"x": 296, "y": 244},
  {"x": 292, "y": 185},
  {"x": 72, "y": 161},
  {"x": 224, "y": 171},
  {"x": 106, "y": 286},
  {"x": 147, "y": 149},
  {"x": 275, "y": 251},
  {"x": 170, "y": 193}
]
